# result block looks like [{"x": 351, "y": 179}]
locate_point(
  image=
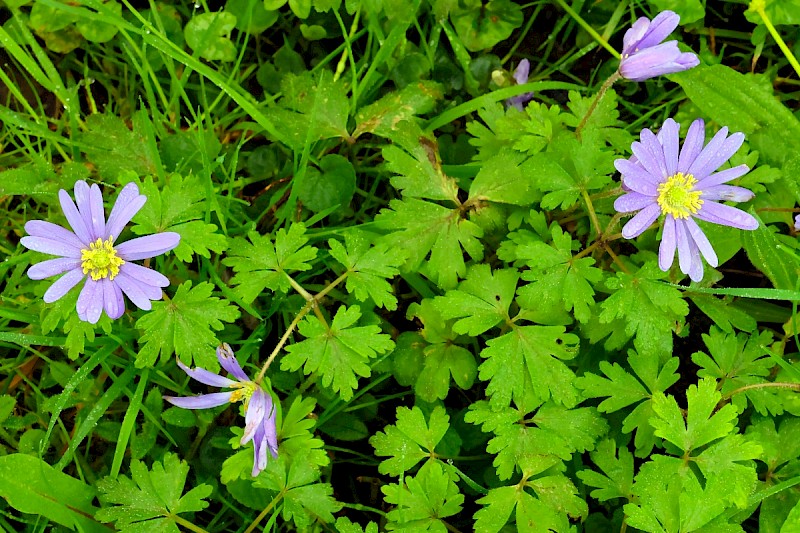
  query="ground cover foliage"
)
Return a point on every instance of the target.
[{"x": 415, "y": 253}]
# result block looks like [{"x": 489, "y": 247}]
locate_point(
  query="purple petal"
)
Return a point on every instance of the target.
[
  {"x": 655, "y": 61},
  {"x": 708, "y": 153},
  {"x": 728, "y": 147},
  {"x": 254, "y": 416},
  {"x": 83, "y": 198},
  {"x": 701, "y": 241},
  {"x": 50, "y": 246},
  {"x": 113, "y": 302},
  {"x": 259, "y": 450},
  {"x": 204, "y": 401},
  {"x": 138, "y": 293},
  {"x": 641, "y": 221},
  {"x": 668, "y": 136},
  {"x": 63, "y": 285},
  {"x": 95, "y": 212},
  {"x": 723, "y": 176},
  {"x": 148, "y": 246},
  {"x": 797, "y": 222},
  {"x": 74, "y": 218},
  {"x": 522, "y": 71},
  {"x": 659, "y": 29},
  {"x": 685, "y": 245},
  {"x": 633, "y": 201},
  {"x": 144, "y": 275},
  {"x": 637, "y": 172},
  {"x": 205, "y": 377},
  {"x": 90, "y": 301},
  {"x": 646, "y": 152},
  {"x": 52, "y": 267},
  {"x": 727, "y": 193},
  {"x": 228, "y": 361},
  {"x": 726, "y": 216},
  {"x": 692, "y": 145},
  {"x": 48, "y": 230},
  {"x": 666, "y": 251},
  {"x": 634, "y": 34},
  {"x": 128, "y": 203}
]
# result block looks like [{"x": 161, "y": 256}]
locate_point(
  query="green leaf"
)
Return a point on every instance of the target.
[
  {"x": 368, "y": 266},
  {"x": 724, "y": 315},
  {"x": 152, "y": 498},
  {"x": 746, "y": 103},
  {"x": 623, "y": 389},
  {"x": 261, "y": 264},
  {"x": 410, "y": 440},
  {"x": 501, "y": 179},
  {"x": 334, "y": 184},
  {"x": 340, "y": 353},
  {"x": 740, "y": 361},
  {"x": 251, "y": 16},
  {"x": 30, "y": 485},
  {"x": 556, "y": 274},
  {"x": 180, "y": 207},
  {"x": 114, "y": 148},
  {"x": 184, "y": 326},
  {"x": 207, "y": 34},
  {"x": 481, "y": 300},
  {"x": 418, "y": 170},
  {"x": 651, "y": 309},
  {"x": 617, "y": 477},
  {"x": 528, "y": 361},
  {"x": 97, "y": 31},
  {"x": 382, "y": 117},
  {"x": 482, "y": 25},
  {"x": 766, "y": 255},
  {"x": 344, "y": 525},
  {"x": 689, "y": 10},
  {"x": 423, "y": 228},
  {"x": 424, "y": 500}
]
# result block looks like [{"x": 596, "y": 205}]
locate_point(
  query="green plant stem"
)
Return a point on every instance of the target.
[
  {"x": 759, "y": 7},
  {"x": 591, "y": 31},
  {"x": 793, "y": 386},
  {"x": 266, "y": 510},
  {"x": 603, "y": 89},
  {"x": 188, "y": 525},
  {"x": 592, "y": 214}
]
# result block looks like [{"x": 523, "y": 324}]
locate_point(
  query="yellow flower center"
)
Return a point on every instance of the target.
[
  {"x": 100, "y": 260},
  {"x": 677, "y": 196},
  {"x": 243, "y": 392}
]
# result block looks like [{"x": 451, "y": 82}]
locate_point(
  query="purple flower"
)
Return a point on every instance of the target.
[
  {"x": 644, "y": 56},
  {"x": 797, "y": 222},
  {"x": 259, "y": 410},
  {"x": 521, "y": 76},
  {"x": 88, "y": 251},
  {"x": 682, "y": 186}
]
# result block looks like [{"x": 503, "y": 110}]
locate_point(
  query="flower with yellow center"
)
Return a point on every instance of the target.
[
  {"x": 677, "y": 196},
  {"x": 100, "y": 260}
]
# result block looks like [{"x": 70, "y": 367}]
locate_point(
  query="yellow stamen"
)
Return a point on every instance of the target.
[
  {"x": 100, "y": 260},
  {"x": 243, "y": 392},
  {"x": 677, "y": 196}
]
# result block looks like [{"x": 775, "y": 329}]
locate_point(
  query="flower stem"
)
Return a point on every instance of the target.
[
  {"x": 603, "y": 89},
  {"x": 188, "y": 525},
  {"x": 759, "y": 7},
  {"x": 592, "y": 214},
  {"x": 266, "y": 511},
  {"x": 794, "y": 386},
  {"x": 591, "y": 31}
]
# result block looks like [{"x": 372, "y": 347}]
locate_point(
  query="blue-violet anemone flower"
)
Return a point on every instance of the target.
[
  {"x": 682, "y": 184},
  {"x": 521, "y": 76},
  {"x": 88, "y": 252},
  {"x": 644, "y": 56},
  {"x": 797, "y": 222},
  {"x": 258, "y": 406}
]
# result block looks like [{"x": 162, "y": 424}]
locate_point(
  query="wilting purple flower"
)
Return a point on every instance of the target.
[
  {"x": 521, "y": 76},
  {"x": 259, "y": 410},
  {"x": 88, "y": 251},
  {"x": 644, "y": 56},
  {"x": 682, "y": 186}
]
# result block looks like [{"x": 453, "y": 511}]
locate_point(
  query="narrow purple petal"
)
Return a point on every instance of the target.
[
  {"x": 726, "y": 216},
  {"x": 204, "y": 401},
  {"x": 48, "y": 230},
  {"x": 74, "y": 218},
  {"x": 708, "y": 153},
  {"x": 659, "y": 29},
  {"x": 90, "y": 301},
  {"x": 83, "y": 198},
  {"x": 797, "y": 222},
  {"x": 148, "y": 246},
  {"x": 522, "y": 71},
  {"x": 729, "y": 147},
  {"x": 259, "y": 450},
  {"x": 51, "y": 246},
  {"x": 254, "y": 416},
  {"x": 128, "y": 203},
  {"x": 228, "y": 361},
  {"x": 692, "y": 145},
  {"x": 634, "y": 34},
  {"x": 63, "y": 285},
  {"x": 685, "y": 245},
  {"x": 53, "y": 267},
  {"x": 665, "y": 58},
  {"x": 145, "y": 275},
  {"x": 633, "y": 201},
  {"x": 138, "y": 293},
  {"x": 727, "y": 193},
  {"x": 641, "y": 221},
  {"x": 666, "y": 251},
  {"x": 702, "y": 242},
  {"x": 205, "y": 377},
  {"x": 645, "y": 153},
  {"x": 637, "y": 172},
  {"x": 723, "y": 176},
  {"x": 98, "y": 216},
  {"x": 271, "y": 430},
  {"x": 668, "y": 136},
  {"x": 113, "y": 302}
]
